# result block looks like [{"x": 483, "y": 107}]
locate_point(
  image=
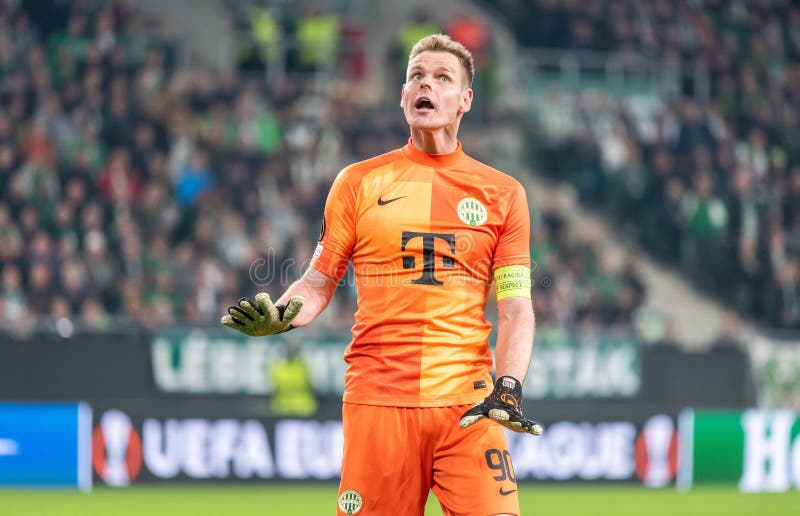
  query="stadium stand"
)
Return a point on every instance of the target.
[
  {"x": 713, "y": 186},
  {"x": 134, "y": 190}
]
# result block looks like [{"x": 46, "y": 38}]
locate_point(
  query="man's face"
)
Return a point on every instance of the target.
[{"x": 436, "y": 92}]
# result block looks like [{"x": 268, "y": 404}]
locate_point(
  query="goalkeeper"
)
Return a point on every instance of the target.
[{"x": 428, "y": 230}]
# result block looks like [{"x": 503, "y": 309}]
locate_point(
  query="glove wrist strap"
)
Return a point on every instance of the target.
[{"x": 508, "y": 390}]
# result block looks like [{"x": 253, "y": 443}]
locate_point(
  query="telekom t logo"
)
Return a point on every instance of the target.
[{"x": 428, "y": 255}]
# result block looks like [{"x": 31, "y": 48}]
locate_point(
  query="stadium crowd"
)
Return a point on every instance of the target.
[
  {"x": 131, "y": 189},
  {"x": 711, "y": 184}
]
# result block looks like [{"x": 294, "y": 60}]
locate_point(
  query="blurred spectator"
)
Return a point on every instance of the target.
[
  {"x": 195, "y": 179},
  {"x": 783, "y": 301},
  {"x": 119, "y": 182},
  {"x": 419, "y": 25},
  {"x": 94, "y": 315},
  {"x": 318, "y": 38},
  {"x": 472, "y": 32},
  {"x": 40, "y": 287},
  {"x": 263, "y": 51},
  {"x": 706, "y": 220},
  {"x": 14, "y": 301},
  {"x": 292, "y": 393},
  {"x": 730, "y": 332}
]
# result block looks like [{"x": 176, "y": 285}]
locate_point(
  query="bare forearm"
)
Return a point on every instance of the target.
[
  {"x": 316, "y": 289},
  {"x": 515, "y": 330}
]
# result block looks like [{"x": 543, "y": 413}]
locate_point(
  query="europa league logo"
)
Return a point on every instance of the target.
[
  {"x": 116, "y": 449},
  {"x": 656, "y": 452}
]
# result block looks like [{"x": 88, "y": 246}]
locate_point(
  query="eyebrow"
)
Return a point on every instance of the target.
[{"x": 438, "y": 68}]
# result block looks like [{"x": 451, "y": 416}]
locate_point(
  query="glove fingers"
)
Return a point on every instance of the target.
[
  {"x": 499, "y": 415},
  {"x": 267, "y": 307},
  {"x": 292, "y": 309},
  {"x": 470, "y": 420},
  {"x": 523, "y": 424},
  {"x": 529, "y": 427},
  {"x": 472, "y": 415},
  {"x": 232, "y": 322},
  {"x": 515, "y": 422},
  {"x": 515, "y": 426},
  {"x": 532, "y": 427},
  {"x": 246, "y": 308},
  {"x": 238, "y": 313},
  {"x": 512, "y": 424}
]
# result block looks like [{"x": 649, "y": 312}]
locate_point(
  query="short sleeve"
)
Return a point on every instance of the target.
[
  {"x": 513, "y": 243},
  {"x": 337, "y": 236}
]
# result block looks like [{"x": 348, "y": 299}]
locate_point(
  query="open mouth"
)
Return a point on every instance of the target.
[{"x": 424, "y": 104}]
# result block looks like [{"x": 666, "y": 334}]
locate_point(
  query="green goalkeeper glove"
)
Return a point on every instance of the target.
[
  {"x": 262, "y": 317},
  {"x": 504, "y": 406}
]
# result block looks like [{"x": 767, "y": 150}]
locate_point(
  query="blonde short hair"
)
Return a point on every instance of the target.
[{"x": 443, "y": 43}]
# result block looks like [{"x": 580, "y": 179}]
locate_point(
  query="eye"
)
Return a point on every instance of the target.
[
  {"x": 444, "y": 78},
  {"x": 417, "y": 76}
]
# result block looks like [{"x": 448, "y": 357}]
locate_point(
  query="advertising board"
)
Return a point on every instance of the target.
[
  {"x": 208, "y": 362},
  {"x": 45, "y": 445},
  {"x": 756, "y": 450},
  {"x": 140, "y": 448}
]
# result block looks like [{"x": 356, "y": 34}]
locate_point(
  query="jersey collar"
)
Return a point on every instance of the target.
[{"x": 433, "y": 160}]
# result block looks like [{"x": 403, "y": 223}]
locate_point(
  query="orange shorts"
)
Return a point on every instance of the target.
[{"x": 394, "y": 456}]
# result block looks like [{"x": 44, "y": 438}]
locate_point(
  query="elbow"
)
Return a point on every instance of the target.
[{"x": 516, "y": 309}]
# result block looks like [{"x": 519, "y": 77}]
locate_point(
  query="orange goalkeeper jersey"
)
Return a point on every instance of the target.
[{"x": 424, "y": 233}]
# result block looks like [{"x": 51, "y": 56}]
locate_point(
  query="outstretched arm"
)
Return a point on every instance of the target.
[
  {"x": 298, "y": 306},
  {"x": 307, "y": 297}
]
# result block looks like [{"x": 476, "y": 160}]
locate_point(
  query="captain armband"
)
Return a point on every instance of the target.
[{"x": 512, "y": 281}]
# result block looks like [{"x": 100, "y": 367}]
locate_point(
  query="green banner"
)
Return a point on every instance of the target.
[
  {"x": 565, "y": 366},
  {"x": 206, "y": 362},
  {"x": 758, "y": 450},
  {"x": 198, "y": 361}
]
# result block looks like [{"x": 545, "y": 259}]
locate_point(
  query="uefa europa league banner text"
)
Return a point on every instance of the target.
[
  {"x": 135, "y": 446},
  {"x": 757, "y": 450}
]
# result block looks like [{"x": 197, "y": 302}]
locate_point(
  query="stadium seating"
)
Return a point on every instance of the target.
[
  {"x": 134, "y": 190},
  {"x": 710, "y": 186}
]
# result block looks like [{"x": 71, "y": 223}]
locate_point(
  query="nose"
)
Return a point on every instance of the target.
[{"x": 425, "y": 82}]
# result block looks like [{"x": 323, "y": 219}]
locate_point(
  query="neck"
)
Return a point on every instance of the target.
[{"x": 443, "y": 140}]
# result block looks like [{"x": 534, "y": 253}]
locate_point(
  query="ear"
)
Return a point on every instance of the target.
[
  {"x": 402, "y": 93},
  {"x": 466, "y": 101}
]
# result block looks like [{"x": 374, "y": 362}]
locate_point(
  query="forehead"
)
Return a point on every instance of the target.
[{"x": 434, "y": 59}]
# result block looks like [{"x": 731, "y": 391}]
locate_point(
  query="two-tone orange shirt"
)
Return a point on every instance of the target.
[{"x": 424, "y": 233}]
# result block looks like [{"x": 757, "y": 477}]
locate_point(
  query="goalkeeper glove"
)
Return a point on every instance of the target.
[
  {"x": 504, "y": 406},
  {"x": 262, "y": 317}
]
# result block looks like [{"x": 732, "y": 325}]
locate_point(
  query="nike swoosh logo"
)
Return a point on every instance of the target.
[
  {"x": 381, "y": 202},
  {"x": 506, "y": 493}
]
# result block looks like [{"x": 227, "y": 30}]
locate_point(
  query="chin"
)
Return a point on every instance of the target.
[{"x": 427, "y": 124}]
